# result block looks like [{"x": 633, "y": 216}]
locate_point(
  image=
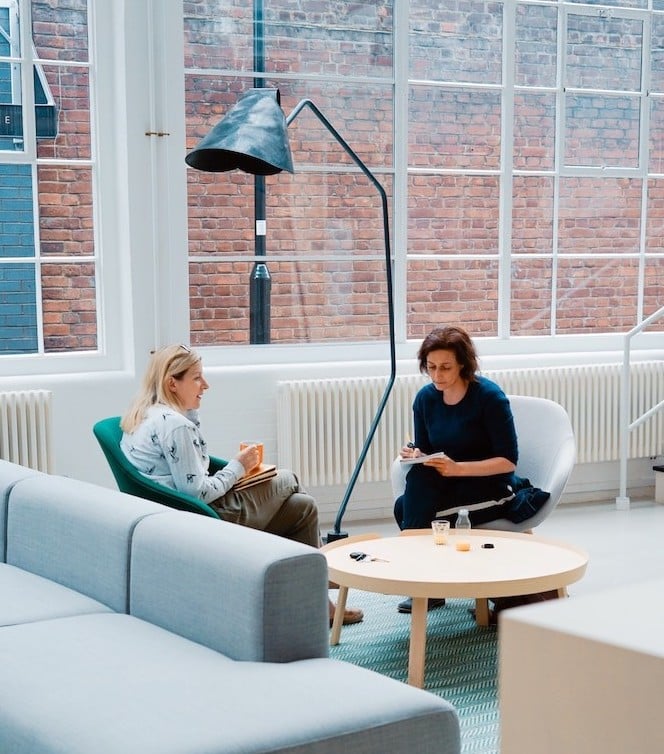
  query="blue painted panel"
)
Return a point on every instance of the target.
[
  {"x": 17, "y": 234},
  {"x": 18, "y": 309}
]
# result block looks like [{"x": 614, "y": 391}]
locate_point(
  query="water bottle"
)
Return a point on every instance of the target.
[{"x": 462, "y": 530}]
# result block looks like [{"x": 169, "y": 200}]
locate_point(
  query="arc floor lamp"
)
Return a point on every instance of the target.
[{"x": 253, "y": 137}]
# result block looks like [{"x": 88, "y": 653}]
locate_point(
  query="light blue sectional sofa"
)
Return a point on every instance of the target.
[{"x": 129, "y": 627}]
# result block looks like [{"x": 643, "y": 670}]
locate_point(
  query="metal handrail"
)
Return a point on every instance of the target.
[{"x": 622, "y": 500}]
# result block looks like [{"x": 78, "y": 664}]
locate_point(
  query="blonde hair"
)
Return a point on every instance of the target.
[{"x": 170, "y": 361}]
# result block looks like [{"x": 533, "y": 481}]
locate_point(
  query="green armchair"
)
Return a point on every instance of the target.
[{"x": 131, "y": 481}]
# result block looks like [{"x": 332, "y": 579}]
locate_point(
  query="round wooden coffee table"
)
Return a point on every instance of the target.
[{"x": 412, "y": 565}]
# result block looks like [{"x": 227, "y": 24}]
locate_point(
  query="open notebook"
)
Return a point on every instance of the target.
[{"x": 422, "y": 459}]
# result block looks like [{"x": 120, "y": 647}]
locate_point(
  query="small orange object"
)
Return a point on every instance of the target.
[{"x": 463, "y": 546}]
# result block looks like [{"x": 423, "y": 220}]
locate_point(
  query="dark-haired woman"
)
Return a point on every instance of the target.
[{"x": 468, "y": 418}]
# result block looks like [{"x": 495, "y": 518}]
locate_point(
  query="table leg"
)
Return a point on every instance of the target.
[
  {"x": 482, "y": 612},
  {"x": 338, "y": 621},
  {"x": 418, "y": 642}
]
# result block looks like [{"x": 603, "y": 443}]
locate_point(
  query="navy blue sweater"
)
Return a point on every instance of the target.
[{"x": 479, "y": 426}]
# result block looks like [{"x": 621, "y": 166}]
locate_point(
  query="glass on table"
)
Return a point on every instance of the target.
[{"x": 441, "y": 531}]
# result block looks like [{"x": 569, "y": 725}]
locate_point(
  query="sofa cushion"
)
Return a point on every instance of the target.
[
  {"x": 234, "y": 589},
  {"x": 10, "y": 473},
  {"x": 76, "y": 534},
  {"x": 113, "y": 684},
  {"x": 25, "y": 597}
]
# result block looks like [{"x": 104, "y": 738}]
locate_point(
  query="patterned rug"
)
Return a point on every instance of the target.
[{"x": 461, "y": 659}]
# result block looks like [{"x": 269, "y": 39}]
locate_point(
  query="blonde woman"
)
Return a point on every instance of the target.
[{"x": 162, "y": 439}]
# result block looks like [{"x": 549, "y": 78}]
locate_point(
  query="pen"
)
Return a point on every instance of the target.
[{"x": 409, "y": 442}]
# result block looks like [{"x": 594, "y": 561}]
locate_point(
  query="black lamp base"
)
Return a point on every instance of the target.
[{"x": 335, "y": 536}]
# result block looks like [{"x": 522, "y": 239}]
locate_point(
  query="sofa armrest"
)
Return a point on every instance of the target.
[{"x": 242, "y": 592}]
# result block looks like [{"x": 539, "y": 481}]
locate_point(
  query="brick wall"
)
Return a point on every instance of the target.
[{"x": 453, "y": 219}]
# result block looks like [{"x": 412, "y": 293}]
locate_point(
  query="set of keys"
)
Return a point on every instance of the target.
[{"x": 365, "y": 556}]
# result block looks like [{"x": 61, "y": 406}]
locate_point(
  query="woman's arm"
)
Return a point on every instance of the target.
[
  {"x": 182, "y": 449},
  {"x": 498, "y": 435},
  {"x": 485, "y": 467}
]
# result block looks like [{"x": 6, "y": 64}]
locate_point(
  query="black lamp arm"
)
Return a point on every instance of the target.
[{"x": 337, "y": 533}]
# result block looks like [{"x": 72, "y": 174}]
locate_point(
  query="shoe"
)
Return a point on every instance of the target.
[
  {"x": 493, "y": 616},
  {"x": 350, "y": 616},
  {"x": 406, "y": 606}
]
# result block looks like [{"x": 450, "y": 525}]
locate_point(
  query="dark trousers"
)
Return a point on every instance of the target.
[{"x": 429, "y": 495}]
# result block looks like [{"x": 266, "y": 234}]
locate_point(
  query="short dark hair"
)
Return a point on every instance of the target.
[{"x": 454, "y": 339}]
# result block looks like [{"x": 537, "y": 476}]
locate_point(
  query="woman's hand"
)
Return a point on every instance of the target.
[
  {"x": 410, "y": 451},
  {"x": 249, "y": 457},
  {"x": 444, "y": 465}
]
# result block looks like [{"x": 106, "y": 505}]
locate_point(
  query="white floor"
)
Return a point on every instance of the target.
[{"x": 624, "y": 546}]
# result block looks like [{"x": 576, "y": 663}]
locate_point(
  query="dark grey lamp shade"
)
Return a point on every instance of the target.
[{"x": 253, "y": 137}]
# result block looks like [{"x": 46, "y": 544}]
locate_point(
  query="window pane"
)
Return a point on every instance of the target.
[
  {"x": 11, "y": 122},
  {"x": 69, "y": 304},
  {"x": 62, "y": 200},
  {"x": 656, "y": 151},
  {"x": 449, "y": 128},
  {"x": 70, "y": 90},
  {"x": 655, "y": 224},
  {"x": 456, "y": 42},
  {"x": 603, "y": 52},
  {"x": 307, "y": 213},
  {"x": 602, "y": 131},
  {"x": 653, "y": 290},
  {"x": 531, "y": 297},
  {"x": 442, "y": 291},
  {"x": 453, "y": 214},
  {"x": 657, "y": 51},
  {"x": 60, "y": 29},
  {"x": 311, "y": 301},
  {"x": 596, "y": 295},
  {"x": 17, "y": 237},
  {"x": 532, "y": 215},
  {"x": 536, "y": 45},
  {"x": 65, "y": 211},
  {"x": 309, "y": 216},
  {"x": 18, "y": 309},
  {"x": 599, "y": 215},
  {"x": 323, "y": 213},
  {"x": 534, "y": 131},
  {"x": 333, "y": 39}
]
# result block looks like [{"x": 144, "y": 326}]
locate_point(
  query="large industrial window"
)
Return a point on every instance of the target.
[
  {"x": 47, "y": 249},
  {"x": 520, "y": 143}
]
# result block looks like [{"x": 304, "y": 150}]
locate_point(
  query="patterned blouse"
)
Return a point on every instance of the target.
[{"x": 169, "y": 449}]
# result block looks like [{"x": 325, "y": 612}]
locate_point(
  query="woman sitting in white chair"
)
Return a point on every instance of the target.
[{"x": 468, "y": 418}]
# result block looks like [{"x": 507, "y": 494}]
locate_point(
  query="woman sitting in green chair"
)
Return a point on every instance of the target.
[{"x": 162, "y": 439}]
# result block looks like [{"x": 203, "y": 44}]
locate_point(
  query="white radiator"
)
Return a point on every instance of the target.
[
  {"x": 322, "y": 424},
  {"x": 25, "y": 428}
]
